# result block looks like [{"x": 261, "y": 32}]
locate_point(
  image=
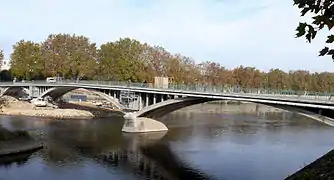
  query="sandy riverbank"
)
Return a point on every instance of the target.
[{"x": 11, "y": 106}]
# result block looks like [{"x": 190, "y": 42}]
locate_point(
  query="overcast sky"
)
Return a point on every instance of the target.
[{"x": 256, "y": 33}]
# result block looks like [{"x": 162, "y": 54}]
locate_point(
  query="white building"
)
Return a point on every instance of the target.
[{"x": 5, "y": 65}]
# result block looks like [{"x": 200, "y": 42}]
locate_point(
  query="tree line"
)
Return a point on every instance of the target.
[{"x": 76, "y": 57}]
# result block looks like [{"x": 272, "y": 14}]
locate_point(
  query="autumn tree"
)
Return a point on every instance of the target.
[
  {"x": 277, "y": 80},
  {"x": 174, "y": 69},
  {"x": 26, "y": 60},
  {"x": 322, "y": 14},
  {"x": 69, "y": 56},
  {"x": 122, "y": 60},
  {"x": 74, "y": 56},
  {"x": 191, "y": 74},
  {"x": 1, "y": 57},
  {"x": 210, "y": 72}
]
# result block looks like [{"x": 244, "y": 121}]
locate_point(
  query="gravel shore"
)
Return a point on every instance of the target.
[{"x": 22, "y": 108}]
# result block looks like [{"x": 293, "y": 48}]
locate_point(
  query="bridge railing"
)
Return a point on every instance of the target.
[{"x": 226, "y": 89}]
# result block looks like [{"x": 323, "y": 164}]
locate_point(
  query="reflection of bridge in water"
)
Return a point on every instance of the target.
[
  {"x": 149, "y": 165},
  {"x": 134, "y": 153},
  {"x": 152, "y": 159},
  {"x": 138, "y": 162}
]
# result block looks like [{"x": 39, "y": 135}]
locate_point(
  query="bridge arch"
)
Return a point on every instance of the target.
[
  {"x": 57, "y": 92},
  {"x": 14, "y": 91},
  {"x": 165, "y": 107},
  {"x": 141, "y": 121}
]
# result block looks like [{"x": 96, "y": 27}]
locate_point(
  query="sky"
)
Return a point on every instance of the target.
[{"x": 259, "y": 33}]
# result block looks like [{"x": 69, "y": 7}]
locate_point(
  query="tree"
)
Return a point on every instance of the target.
[
  {"x": 175, "y": 70},
  {"x": 1, "y": 57},
  {"x": 74, "y": 56},
  {"x": 26, "y": 60},
  {"x": 322, "y": 12},
  {"x": 69, "y": 56},
  {"x": 277, "y": 79},
  {"x": 122, "y": 60}
]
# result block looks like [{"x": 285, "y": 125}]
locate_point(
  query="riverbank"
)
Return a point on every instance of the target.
[
  {"x": 23, "y": 108},
  {"x": 321, "y": 168},
  {"x": 11, "y": 106}
]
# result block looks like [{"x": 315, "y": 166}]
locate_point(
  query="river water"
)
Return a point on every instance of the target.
[{"x": 200, "y": 144}]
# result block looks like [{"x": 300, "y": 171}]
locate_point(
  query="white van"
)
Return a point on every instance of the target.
[
  {"x": 39, "y": 102},
  {"x": 51, "y": 80}
]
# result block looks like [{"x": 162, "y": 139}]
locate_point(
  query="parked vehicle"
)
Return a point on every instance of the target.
[
  {"x": 25, "y": 98},
  {"x": 39, "y": 102},
  {"x": 51, "y": 80}
]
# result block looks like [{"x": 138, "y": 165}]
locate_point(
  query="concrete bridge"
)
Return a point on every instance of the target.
[{"x": 152, "y": 102}]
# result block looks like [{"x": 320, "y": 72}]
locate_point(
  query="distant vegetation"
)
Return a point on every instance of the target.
[{"x": 76, "y": 57}]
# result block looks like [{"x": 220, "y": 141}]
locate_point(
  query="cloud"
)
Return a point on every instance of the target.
[{"x": 241, "y": 32}]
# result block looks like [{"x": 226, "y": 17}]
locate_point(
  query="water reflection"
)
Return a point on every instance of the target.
[
  {"x": 151, "y": 158},
  {"x": 198, "y": 145},
  {"x": 18, "y": 160},
  {"x": 68, "y": 145}
]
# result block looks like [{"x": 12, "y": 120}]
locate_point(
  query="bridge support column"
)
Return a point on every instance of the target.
[
  {"x": 146, "y": 102},
  {"x": 154, "y": 98},
  {"x": 30, "y": 91},
  {"x": 140, "y": 103},
  {"x": 134, "y": 124}
]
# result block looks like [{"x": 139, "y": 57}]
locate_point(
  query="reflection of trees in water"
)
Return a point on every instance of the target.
[
  {"x": 134, "y": 162},
  {"x": 7, "y": 136},
  {"x": 150, "y": 159},
  {"x": 69, "y": 142},
  {"x": 70, "y": 146},
  {"x": 55, "y": 154},
  {"x": 163, "y": 156}
]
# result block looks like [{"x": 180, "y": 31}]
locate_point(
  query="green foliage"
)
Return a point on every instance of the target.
[
  {"x": 121, "y": 60},
  {"x": 322, "y": 13},
  {"x": 126, "y": 59},
  {"x": 26, "y": 60},
  {"x": 1, "y": 57},
  {"x": 69, "y": 56}
]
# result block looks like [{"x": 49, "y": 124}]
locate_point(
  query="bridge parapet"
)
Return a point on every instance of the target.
[{"x": 181, "y": 88}]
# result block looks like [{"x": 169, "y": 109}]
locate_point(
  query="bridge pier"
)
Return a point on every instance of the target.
[
  {"x": 134, "y": 124},
  {"x": 154, "y": 98},
  {"x": 147, "y": 100}
]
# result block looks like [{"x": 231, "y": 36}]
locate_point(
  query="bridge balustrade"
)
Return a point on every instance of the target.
[{"x": 192, "y": 88}]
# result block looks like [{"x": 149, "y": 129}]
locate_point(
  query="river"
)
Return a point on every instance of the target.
[{"x": 200, "y": 143}]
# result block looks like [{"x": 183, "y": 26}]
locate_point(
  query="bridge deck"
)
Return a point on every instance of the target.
[{"x": 192, "y": 91}]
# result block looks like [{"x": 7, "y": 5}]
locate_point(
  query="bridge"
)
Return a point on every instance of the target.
[{"x": 150, "y": 102}]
